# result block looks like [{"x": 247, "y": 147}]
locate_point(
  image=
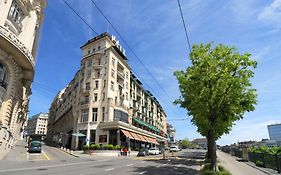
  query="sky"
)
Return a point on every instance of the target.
[{"x": 154, "y": 30}]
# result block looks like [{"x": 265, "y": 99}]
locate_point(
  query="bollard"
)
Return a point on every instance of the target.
[
  {"x": 173, "y": 154},
  {"x": 164, "y": 156}
]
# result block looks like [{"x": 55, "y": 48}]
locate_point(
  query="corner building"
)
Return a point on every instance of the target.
[
  {"x": 106, "y": 103},
  {"x": 20, "y": 22}
]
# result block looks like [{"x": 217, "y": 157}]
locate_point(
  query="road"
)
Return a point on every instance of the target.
[{"x": 59, "y": 162}]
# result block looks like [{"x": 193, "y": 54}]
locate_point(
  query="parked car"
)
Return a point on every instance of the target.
[
  {"x": 35, "y": 146},
  {"x": 143, "y": 152},
  {"x": 174, "y": 148},
  {"x": 153, "y": 151}
]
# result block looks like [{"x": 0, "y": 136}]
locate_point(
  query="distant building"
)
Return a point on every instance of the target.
[
  {"x": 20, "y": 22},
  {"x": 274, "y": 131},
  {"x": 201, "y": 142},
  {"x": 37, "y": 124},
  {"x": 246, "y": 144},
  {"x": 171, "y": 134}
]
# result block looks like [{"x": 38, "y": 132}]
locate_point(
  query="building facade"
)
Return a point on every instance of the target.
[
  {"x": 106, "y": 102},
  {"x": 171, "y": 131},
  {"x": 20, "y": 22},
  {"x": 274, "y": 132},
  {"x": 201, "y": 142},
  {"x": 37, "y": 124}
]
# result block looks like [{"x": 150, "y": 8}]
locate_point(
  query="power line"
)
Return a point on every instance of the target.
[
  {"x": 68, "y": 5},
  {"x": 132, "y": 51},
  {"x": 187, "y": 38}
]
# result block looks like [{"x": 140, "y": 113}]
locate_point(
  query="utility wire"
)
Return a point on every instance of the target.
[
  {"x": 187, "y": 38},
  {"x": 68, "y": 5},
  {"x": 132, "y": 51}
]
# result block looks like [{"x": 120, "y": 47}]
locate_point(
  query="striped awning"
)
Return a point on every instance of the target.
[
  {"x": 136, "y": 136},
  {"x": 127, "y": 134}
]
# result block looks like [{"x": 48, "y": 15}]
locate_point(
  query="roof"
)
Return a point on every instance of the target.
[{"x": 199, "y": 140}]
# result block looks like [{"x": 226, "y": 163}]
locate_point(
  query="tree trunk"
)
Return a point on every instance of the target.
[
  {"x": 208, "y": 157},
  {"x": 212, "y": 149}
]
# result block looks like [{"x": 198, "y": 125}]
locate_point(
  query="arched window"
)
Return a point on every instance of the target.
[{"x": 3, "y": 76}]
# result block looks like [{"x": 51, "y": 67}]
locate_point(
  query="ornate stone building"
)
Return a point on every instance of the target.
[
  {"x": 105, "y": 103},
  {"x": 20, "y": 22}
]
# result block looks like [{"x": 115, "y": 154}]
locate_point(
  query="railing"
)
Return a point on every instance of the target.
[
  {"x": 272, "y": 161},
  {"x": 3, "y": 84},
  {"x": 12, "y": 38}
]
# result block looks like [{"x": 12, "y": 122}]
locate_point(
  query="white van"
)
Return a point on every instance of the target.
[{"x": 174, "y": 148}]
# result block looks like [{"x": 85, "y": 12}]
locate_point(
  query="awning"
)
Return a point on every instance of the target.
[
  {"x": 136, "y": 137},
  {"x": 142, "y": 138},
  {"x": 152, "y": 140},
  {"x": 127, "y": 134},
  {"x": 78, "y": 134},
  {"x": 146, "y": 124}
]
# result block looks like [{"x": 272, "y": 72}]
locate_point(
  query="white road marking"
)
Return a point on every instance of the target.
[
  {"x": 47, "y": 166},
  {"x": 109, "y": 169},
  {"x": 130, "y": 164},
  {"x": 143, "y": 172}
]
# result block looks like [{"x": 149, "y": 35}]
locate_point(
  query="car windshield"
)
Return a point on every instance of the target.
[{"x": 37, "y": 144}]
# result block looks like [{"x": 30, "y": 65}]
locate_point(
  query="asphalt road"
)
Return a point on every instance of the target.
[{"x": 58, "y": 162}]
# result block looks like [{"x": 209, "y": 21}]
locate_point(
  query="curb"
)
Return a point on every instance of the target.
[
  {"x": 68, "y": 152},
  {"x": 261, "y": 169}
]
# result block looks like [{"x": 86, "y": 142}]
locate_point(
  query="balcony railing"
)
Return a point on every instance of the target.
[
  {"x": 12, "y": 38},
  {"x": 3, "y": 84}
]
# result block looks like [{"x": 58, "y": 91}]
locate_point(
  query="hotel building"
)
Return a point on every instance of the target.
[{"x": 105, "y": 103}]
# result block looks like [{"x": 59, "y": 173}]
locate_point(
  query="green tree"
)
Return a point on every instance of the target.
[
  {"x": 216, "y": 91},
  {"x": 184, "y": 143}
]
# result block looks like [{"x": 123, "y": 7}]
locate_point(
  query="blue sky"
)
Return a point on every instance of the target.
[{"x": 154, "y": 30}]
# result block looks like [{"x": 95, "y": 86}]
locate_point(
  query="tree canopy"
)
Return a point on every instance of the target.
[{"x": 216, "y": 90}]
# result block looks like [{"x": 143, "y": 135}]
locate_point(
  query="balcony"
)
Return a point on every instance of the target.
[
  {"x": 121, "y": 74},
  {"x": 11, "y": 44},
  {"x": 3, "y": 84}
]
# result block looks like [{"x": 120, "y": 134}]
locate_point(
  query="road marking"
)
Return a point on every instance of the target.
[
  {"x": 109, "y": 169},
  {"x": 47, "y": 166},
  {"x": 143, "y": 172},
  {"x": 130, "y": 164},
  {"x": 45, "y": 155}
]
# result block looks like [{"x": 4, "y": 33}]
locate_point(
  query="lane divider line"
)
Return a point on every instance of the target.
[
  {"x": 143, "y": 172},
  {"x": 109, "y": 169},
  {"x": 130, "y": 164},
  {"x": 45, "y": 155}
]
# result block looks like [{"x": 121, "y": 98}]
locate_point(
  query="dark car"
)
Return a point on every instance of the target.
[
  {"x": 143, "y": 152},
  {"x": 35, "y": 146}
]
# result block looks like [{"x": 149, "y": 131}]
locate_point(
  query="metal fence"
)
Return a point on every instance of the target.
[{"x": 272, "y": 161}]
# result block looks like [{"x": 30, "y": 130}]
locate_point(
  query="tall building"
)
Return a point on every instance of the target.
[
  {"x": 274, "y": 131},
  {"x": 106, "y": 103},
  {"x": 20, "y": 22},
  {"x": 171, "y": 131},
  {"x": 37, "y": 124}
]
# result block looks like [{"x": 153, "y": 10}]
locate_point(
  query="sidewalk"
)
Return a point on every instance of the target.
[
  {"x": 235, "y": 167},
  {"x": 18, "y": 153}
]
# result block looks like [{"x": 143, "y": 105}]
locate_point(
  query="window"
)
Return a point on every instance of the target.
[
  {"x": 95, "y": 114},
  {"x": 89, "y": 51},
  {"x": 89, "y": 74},
  {"x": 96, "y": 84},
  {"x": 90, "y": 62},
  {"x": 126, "y": 95},
  {"x": 98, "y": 47},
  {"x": 98, "y": 74},
  {"x": 3, "y": 76},
  {"x": 16, "y": 13},
  {"x": 103, "y": 96},
  {"x": 103, "y": 113},
  {"x": 95, "y": 97},
  {"x": 113, "y": 61},
  {"x": 120, "y": 116},
  {"x": 104, "y": 83},
  {"x": 127, "y": 85},
  {"x": 127, "y": 75},
  {"x": 112, "y": 73},
  {"x": 84, "y": 115},
  {"x": 103, "y": 138},
  {"x": 94, "y": 49},
  {"x": 85, "y": 100},
  {"x": 112, "y": 86},
  {"x": 88, "y": 87}
]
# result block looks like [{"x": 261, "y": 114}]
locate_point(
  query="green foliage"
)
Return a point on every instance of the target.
[
  {"x": 263, "y": 149},
  {"x": 259, "y": 163},
  {"x": 216, "y": 88},
  {"x": 109, "y": 147},
  {"x": 186, "y": 144},
  {"x": 85, "y": 147},
  {"x": 206, "y": 170},
  {"x": 94, "y": 146},
  {"x": 117, "y": 147}
]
